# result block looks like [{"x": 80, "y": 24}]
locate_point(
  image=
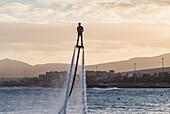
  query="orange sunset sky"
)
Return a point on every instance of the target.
[{"x": 44, "y": 31}]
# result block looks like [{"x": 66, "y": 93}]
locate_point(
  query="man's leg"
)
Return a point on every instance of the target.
[
  {"x": 81, "y": 39},
  {"x": 77, "y": 40}
]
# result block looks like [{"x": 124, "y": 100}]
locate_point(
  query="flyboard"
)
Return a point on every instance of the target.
[{"x": 72, "y": 78}]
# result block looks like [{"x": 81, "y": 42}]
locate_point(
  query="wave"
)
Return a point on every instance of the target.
[{"x": 105, "y": 89}]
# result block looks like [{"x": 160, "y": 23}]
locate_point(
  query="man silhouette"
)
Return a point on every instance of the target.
[{"x": 80, "y": 30}]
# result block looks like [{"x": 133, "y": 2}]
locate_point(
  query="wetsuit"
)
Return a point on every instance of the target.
[{"x": 80, "y": 30}]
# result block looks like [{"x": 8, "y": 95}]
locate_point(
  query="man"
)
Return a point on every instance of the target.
[{"x": 80, "y": 30}]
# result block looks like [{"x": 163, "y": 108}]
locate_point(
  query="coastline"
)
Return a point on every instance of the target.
[{"x": 129, "y": 86}]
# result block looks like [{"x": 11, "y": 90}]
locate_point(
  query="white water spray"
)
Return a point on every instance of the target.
[{"x": 75, "y": 97}]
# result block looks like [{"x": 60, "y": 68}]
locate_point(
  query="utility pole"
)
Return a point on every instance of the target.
[
  {"x": 96, "y": 68},
  {"x": 163, "y": 67},
  {"x": 135, "y": 72},
  {"x": 134, "y": 68},
  {"x": 25, "y": 74}
]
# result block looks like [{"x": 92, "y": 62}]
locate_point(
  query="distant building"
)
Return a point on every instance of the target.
[{"x": 100, "y": 77}]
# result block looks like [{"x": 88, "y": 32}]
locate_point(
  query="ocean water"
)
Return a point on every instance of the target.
[{"x": 22, "y": 100}]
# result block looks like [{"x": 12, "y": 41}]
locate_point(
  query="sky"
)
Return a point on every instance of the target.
[{"x": 44, "y": 31}]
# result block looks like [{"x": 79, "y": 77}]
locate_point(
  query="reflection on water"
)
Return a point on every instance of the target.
[{"x": 100, "y": 101}]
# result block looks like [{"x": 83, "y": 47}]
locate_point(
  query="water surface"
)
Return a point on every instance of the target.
[{"x": 21, "y": 100}]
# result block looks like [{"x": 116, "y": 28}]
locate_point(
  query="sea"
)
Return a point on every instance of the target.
[{"x": 25, "y": 100}]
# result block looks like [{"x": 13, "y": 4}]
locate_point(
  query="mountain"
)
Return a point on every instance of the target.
[
  {"x": 13, "y": 64},
  {"x": 128, "y": 65},
  {"x": 13, "y": 68}
]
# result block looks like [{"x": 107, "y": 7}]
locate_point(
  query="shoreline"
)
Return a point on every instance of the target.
[
  {"x": 130, "y": 86},
  {"x": 103, "y": 86}
]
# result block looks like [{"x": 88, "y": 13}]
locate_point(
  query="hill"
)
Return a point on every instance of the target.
[
  {"x": 11, "y": 64},
  {"x": 128, "y": 65},
  {"x": 13, "y": 68}
]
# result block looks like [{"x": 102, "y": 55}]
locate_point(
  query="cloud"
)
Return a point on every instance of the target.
[
  {"x": 120, "y": 11},
  {"x": 29, "y": 47},
  {"x": 46, "y": 1},
  {"x": 6, "y": 17},
  {"x": 139, "y": 11},
  {"x": 14, "y": 7},
  {"x": 58, "y": 1},
  {"x": 41, "y": 12}
]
